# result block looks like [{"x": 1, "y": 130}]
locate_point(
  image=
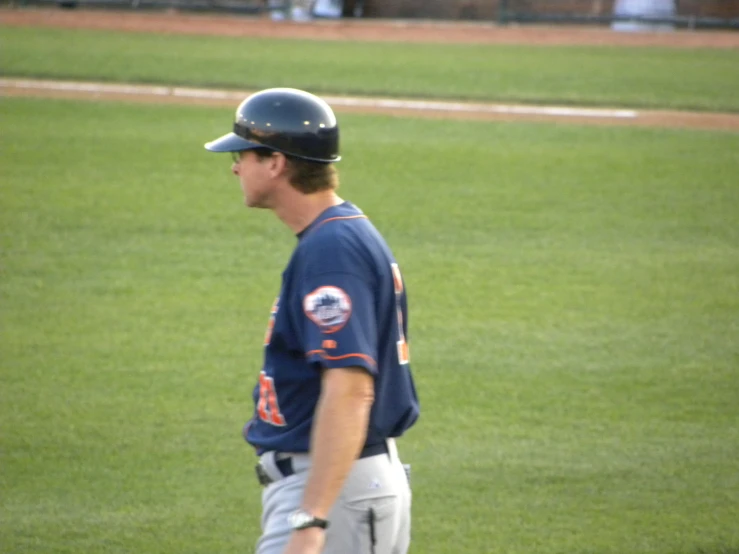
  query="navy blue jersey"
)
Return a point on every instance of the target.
[{"x": 342, "y": 303}]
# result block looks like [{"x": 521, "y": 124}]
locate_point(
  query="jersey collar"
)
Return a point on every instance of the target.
[{"x": 345, "y": 209}]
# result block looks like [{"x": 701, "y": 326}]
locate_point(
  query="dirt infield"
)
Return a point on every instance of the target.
[{"x": 376, "y": 30}]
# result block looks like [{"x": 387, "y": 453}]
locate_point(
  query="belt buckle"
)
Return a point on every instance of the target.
[{"x": 262, "y": 476}]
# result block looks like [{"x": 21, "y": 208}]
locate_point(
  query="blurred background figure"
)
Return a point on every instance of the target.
[
  {"x": 295, "y": 10},
  {"x": 335, "y": 9},
  {"x": 305, "y": 10},
  {"x": 328, "y": 9},
  {"x": 641, "y": 11},
  {"x": 276, "y": 9},
  {"x": 301, "y": 10}
]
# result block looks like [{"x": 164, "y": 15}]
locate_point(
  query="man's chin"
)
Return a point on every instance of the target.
[{"x": 253, "y": 203}]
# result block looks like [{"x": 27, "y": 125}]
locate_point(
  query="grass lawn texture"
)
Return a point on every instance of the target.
[
  {"x": 700, "y": 79},
  {"x": 574, "y": 298}
]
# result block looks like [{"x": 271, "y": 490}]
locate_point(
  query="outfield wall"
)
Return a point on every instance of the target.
[{"x": 685, "y": 13}]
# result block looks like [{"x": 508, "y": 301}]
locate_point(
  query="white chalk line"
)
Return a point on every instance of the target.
[{"x": 338, "y": 101}]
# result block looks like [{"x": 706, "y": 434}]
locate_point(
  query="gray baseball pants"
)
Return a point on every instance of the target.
[{"x": 371, "y": 516}]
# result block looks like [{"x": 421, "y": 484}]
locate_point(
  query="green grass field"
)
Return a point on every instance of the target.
[
  {"x": 703, "y": 79},
  {"x": 574, "y": 295}
]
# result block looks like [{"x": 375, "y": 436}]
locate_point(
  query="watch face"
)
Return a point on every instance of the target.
[{"x": 299, "y": 518}]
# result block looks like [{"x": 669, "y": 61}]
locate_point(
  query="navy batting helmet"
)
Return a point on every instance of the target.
[{"x": 287, "y": 120}]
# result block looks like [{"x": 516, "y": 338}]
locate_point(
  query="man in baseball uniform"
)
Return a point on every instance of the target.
[{"x": 335, "y": 388}]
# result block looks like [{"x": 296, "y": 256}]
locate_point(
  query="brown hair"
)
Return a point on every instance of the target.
[{"x": 307, "y": 176}]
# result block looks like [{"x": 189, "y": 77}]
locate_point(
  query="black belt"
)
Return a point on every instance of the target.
[{"x": 285, "y": 465}]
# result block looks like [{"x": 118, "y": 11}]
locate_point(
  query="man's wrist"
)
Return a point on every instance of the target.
[{"x": 302, "y": 519}]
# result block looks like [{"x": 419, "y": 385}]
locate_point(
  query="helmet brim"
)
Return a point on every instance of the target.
[{"x": 231, "y": 142}]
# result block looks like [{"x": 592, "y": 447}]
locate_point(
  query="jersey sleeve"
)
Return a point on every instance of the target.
[{"x": 339, "y": 322}]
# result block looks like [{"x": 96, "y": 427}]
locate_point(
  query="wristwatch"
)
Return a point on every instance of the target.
[{"x": 300, "y": 519}]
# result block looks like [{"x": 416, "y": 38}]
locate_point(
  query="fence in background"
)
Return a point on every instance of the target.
[
  {"x": 251, "y": 7},
  {"x": 626, "y": 14}
]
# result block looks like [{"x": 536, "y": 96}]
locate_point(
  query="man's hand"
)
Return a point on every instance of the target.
[{"x": 306, "y": 541}]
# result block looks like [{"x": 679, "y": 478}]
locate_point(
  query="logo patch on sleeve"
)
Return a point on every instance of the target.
[{"x": 328, "y": 307}]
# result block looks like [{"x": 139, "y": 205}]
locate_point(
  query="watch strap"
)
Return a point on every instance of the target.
[{"x": 300, "y": 519}]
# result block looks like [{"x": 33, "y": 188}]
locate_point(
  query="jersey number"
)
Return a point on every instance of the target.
[
  {"x": 271, "y": 322},
  {"x": 267, "y": 407},
  {"x": 404, "y": 355}
]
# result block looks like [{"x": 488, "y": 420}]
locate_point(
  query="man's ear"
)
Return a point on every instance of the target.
[{"x": 277, "y": 164}]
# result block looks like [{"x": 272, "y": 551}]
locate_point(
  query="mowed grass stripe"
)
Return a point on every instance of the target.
[{"x": 574, "y": 75}]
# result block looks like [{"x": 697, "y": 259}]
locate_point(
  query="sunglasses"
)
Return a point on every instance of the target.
[{"x": 261, "y": 152}]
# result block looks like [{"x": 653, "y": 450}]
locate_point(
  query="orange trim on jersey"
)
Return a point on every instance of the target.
[
  {"x": 337, "y": 218},
  {"x": 323, "y": 354},
  {"x": 397, "y": 279}
]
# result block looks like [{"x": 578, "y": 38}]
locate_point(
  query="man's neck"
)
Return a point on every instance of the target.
[{"x": 302, "y": 209}]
